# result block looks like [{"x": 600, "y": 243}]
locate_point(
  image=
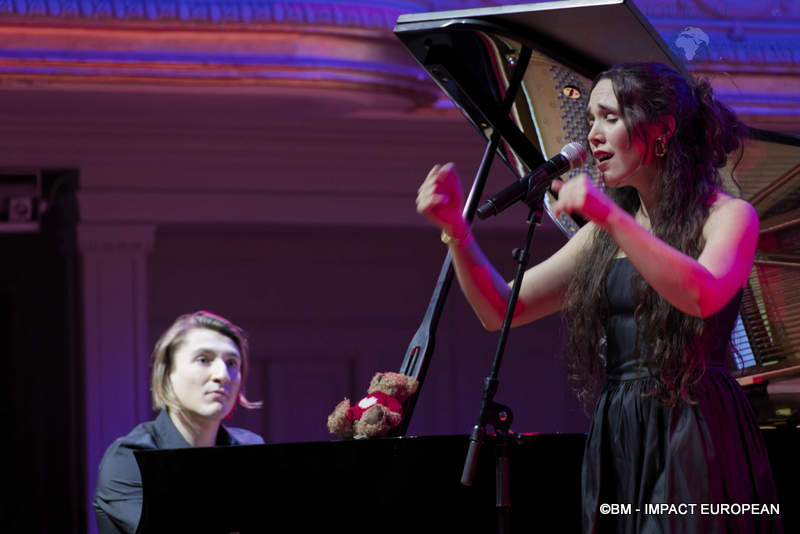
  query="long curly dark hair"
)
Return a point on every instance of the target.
[{"x": 706, "y": 132}]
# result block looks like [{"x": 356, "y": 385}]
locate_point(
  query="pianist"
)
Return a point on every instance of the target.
[{"x": 198, "y": 369}]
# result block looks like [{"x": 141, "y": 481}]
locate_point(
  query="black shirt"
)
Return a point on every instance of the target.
[{"x": 118, "y": 498}]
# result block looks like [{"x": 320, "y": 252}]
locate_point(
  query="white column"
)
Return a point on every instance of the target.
[{"x": 116, "y": 355}]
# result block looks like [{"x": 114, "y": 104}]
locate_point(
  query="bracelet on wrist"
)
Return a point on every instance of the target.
[{"x": 448, "y": 239}]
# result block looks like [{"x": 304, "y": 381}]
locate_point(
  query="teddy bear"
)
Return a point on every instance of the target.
[{"x": 378, "y": 412}]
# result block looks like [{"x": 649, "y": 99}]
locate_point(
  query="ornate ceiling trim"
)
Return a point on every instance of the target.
[
  {"x": 323, "y": 44},
  {"x": 219, "y": 56},
  {"x": 192, "y": 12}
]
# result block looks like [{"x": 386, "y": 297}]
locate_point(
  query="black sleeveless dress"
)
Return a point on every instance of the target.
[{"x": 641, "y": 453}]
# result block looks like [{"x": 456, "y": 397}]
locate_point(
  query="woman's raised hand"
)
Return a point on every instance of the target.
[
  {"x": 439, "y": 198},
  {"x": 579, "y": 195}
]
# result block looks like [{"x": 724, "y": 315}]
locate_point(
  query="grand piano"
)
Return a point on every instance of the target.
[{"x": 520, "y": 75}]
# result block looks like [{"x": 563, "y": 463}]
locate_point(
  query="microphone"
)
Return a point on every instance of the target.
[{"x": 571, "y": 156}]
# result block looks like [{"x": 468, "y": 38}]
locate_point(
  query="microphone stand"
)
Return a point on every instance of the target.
[{"x": 492, "y": 413}]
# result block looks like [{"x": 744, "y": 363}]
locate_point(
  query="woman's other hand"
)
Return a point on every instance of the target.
[{"x": 579, "y": 195}]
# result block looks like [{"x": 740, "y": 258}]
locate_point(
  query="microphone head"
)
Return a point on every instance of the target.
[{"x": 575, "y": 153}]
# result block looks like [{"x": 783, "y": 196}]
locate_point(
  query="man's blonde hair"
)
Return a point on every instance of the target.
[{"x": 161, "y": 359}]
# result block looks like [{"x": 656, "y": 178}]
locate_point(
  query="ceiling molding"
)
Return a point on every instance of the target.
[{"x": 184, "y": 13}]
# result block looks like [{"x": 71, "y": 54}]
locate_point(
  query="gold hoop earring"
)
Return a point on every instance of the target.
[{"x": 660, "y": 147}]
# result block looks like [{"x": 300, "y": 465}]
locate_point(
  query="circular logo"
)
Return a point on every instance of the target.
[{"x": 691, "y": 43}]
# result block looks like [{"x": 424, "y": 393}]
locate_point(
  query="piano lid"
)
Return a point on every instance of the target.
[{"x": 470, "y": 54}]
